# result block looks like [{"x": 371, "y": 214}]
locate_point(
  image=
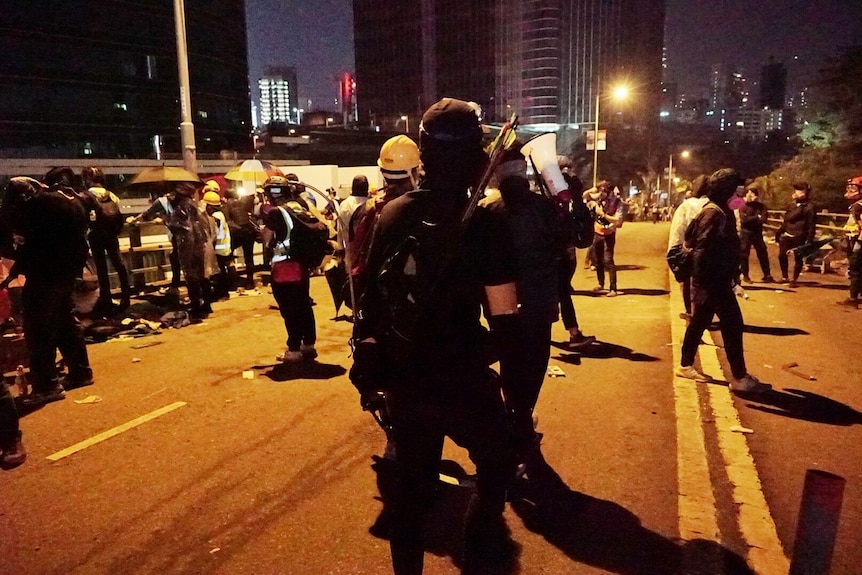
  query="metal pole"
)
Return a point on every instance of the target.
[
  {"x": 596, "y": 143},
  {"x": 669, "y": 176},
  {"x": 187, "y": 128}
]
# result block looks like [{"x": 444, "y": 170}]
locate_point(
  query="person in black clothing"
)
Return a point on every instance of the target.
[
  {"x": 567, "y": 264},
  {"x": 712, "y": 237},
  {"x": 52, "y": 257},
  {"x": 797, "y": 229},
  {"x": 290, "y": 293},
  {"x": 239, "y": 210},
  {"x": 539, "y": 238},
  {"x": 428, "y": 356},
  {"x": 751, "y": 219},
  {"x": 103, "y": 238}
]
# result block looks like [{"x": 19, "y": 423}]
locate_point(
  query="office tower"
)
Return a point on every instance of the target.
[
  {"x": 278, "y": 96},
  {"x": 98, "y": 78}
]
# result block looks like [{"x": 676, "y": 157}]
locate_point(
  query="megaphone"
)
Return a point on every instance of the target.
[{"x": 542, "y": 151}]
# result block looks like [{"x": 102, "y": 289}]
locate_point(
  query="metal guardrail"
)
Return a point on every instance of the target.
[{"x": 826, "y": 222}]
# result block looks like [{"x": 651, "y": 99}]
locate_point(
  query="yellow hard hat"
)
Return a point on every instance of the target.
[
  {"x": 212, "y": 199},
  {"x": 212, "y": 186},
  {"x": 398, "y": 156}
]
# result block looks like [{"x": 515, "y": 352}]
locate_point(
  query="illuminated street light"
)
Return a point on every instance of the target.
[
  {"x": 684, "y": 155},
  {"x": 406, "y": 120},
  {"x": 618, "y": 93}
]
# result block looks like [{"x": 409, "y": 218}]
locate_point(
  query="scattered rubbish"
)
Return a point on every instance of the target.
[
  {"x": 127, "y": 321},
  {"x": 89, "y": 399},
  {"x": 248, "y": 374},
  {"x": 788, "y": 367},
  {"x": 740, "y": 429},
  {"x": 779, "y": 291},
  {"x": 21, "y": 382},
  {"x": 779, "y": 322},
  {"x": 136, "y": 360},
  {"x": 555, "y": 371},
  {"x": 766, "y": 365},
  {"x": 147, "y": 344},
  {"x": 215, "y": 550}
]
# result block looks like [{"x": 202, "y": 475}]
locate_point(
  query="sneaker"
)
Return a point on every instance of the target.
[
  {"x": 689, "y": 372},
  {"x": 592, "y": 268},
  {"x": 613, "y": 293},
  {"x": 13, "y": 455},
  {"x": 38, "y": 398},
  {"x": 849, "y": 302},
  {"x": 579, "y": 340},
  {"x": 747, "y": 279},
  {"x": 749, "y": 384},
  {"x": 290, "y": 356},
  {"x": 793, "y": 284},
  {"x": 784, "y": 281},
  {"x": 600, "y": 289},
  {"x": 768, "y": 279},
  {"x": 308, "y": 351}
]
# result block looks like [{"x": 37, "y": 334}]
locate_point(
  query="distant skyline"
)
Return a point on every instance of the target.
[{"x": 317, "y": 39}]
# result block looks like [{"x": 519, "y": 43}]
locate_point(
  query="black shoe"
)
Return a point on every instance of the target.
[
  {"x": 792, "y": 284},
  {"x": 13, "y": 455},
  {"x": 767, "y": 279},
  {"x": 74, "y": 383},
  {"x": 746, "y": 279},
  {"x": 849, "y": 302},
  {"x": 38, "y": 398}
]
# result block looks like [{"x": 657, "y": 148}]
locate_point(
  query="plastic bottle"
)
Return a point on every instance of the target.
[{"x": 21, "y": 381}]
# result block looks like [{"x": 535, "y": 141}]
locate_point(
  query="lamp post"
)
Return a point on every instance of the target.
[
  {"x": 683, "y": 154},
  {"x": 406, "y": 120},
  {"x": 619, "y": 93},
  {"x": 187, "y": 128}
]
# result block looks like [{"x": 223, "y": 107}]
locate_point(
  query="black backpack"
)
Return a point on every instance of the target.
[
  {"x": 578, "y": 223},
  {"x": 109, "y": 218},
  {"x": 309, "y": 238}
]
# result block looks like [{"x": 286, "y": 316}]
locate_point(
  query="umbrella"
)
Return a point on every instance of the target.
[
  {"x": 807, "y": 251},
  {"x": 253, "y": 170},
  {"x": 163, "y": 178},
  {"x": 336, "y": 278}
]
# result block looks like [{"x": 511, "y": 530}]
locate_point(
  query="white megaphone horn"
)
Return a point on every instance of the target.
[{"x": 542, "y": 151}]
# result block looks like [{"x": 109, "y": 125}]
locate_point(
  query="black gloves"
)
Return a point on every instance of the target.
[{"x": 366, "y": 374}]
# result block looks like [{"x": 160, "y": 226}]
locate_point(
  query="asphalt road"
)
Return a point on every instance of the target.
[{"x": 182, "y": 465}]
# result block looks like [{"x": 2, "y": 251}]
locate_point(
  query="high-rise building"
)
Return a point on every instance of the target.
[
  {"x": 773, "y": 85},
  {"x": 99, "y": 78},
  {"x": 545, "y": 59},
  {"x": 278, "y": 96}
]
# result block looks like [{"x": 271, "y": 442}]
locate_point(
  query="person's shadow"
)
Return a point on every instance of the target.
[
  {"x": 599, "y": 350},
  {"x": 606, "y": 535},
  {"x": 804, "y": 405},
  {"x": 303, "y": 370}
]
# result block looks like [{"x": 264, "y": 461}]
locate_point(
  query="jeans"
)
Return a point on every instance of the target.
[{"x": 603, "y": 246}]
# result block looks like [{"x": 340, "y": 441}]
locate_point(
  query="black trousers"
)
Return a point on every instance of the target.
[
  {"x": 855, "y": 268},
  {"x": 603, "y": 248},
  {"x": 786, "y": 243},
  {"x": 8, "y": 419},
  {"x": 295, "y": 308},
  {"x": 50, "y": 325},
  {"x": 747, "y": 240},
  {"x": 104, "y": 249},
  {"x": 474, "y": 417},
  {"x": 705, "y": 305},
  {"x": 565, "y": 273},
  {"x": 245, "y": 242}
]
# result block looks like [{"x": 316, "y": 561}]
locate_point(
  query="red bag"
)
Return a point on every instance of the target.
[{"x": 286, "y": 271}]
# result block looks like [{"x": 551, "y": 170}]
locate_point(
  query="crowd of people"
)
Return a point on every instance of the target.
[{"x": 425, "y": 259}]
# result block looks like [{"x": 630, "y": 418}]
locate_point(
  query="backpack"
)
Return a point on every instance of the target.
[
  {"x": 309, "y": 237},
  {"x": 680, "y": 258},
  {"x": 109, "y": 220},
  {"x": 579, "y": 224}
]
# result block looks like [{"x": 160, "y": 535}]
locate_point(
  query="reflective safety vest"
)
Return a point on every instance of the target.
[
  {"x": 281, "y": 249},
  {"x": 222, "y": 239}
]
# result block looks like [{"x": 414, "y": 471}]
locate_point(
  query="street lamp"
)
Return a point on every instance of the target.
[
  {"x": 684, "y": 154},
  {"x": 187, "y": 128},
  {"x": 618, "y": 93},
  {"x": 406, "y": 120}
]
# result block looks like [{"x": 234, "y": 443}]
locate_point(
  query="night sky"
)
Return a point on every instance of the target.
[{"x": 317, "y": 39}]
